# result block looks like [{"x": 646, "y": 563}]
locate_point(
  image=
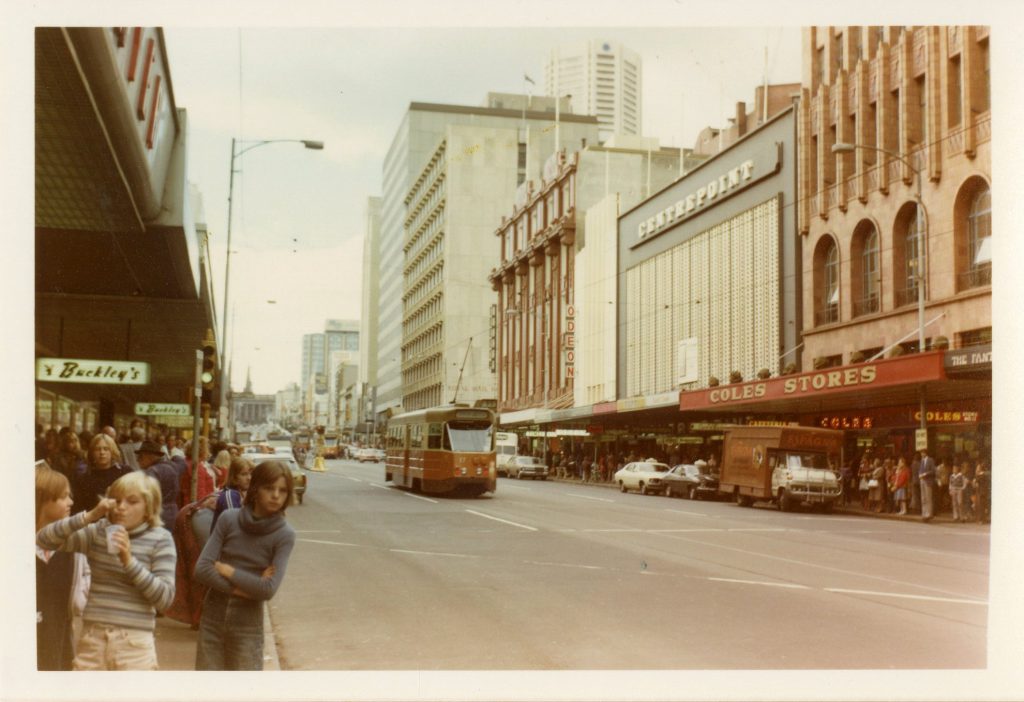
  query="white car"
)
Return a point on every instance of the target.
[
  {"x": 369, "y": 454},
  {"x": 526, "y": 466},
  {"x": 646, "y": 476}
]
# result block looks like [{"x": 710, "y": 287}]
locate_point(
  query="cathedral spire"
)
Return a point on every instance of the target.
[{"x": 248, "y": 380}]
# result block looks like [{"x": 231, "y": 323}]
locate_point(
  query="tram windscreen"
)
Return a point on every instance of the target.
[{"x": 469, "y": 436}]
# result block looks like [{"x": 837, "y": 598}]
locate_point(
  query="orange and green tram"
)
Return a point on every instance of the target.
[{"x": 448, "y": 449}]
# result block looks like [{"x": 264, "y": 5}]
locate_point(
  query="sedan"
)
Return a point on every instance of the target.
[
  {"x": 688, "y": 480},
  {"x": 369, "y": 454},
  {"x": 298, "y": 477},
  {"x": 526, "y": 466},
  {"x": 646, "y": 476}
]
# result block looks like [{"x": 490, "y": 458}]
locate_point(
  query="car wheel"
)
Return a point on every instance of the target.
[
  {"x": 622, "y": 486},
  {"x": 691, "y": 494},
  {"x": 643, "y": 488},
  {"x": 784, "y": 502}
]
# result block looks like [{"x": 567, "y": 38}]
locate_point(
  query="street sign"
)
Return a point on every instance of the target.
[
  {"x": 920, "y": 439},
  {"x": 163, "y": 408},
  {"x": 83, "y": 370}
]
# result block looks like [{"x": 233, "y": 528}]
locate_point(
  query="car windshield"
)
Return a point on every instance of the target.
[
  {"x": 655, "y": 467},
  {"x": 807, "y": 460},
  {"x": 469, "y": 436}
]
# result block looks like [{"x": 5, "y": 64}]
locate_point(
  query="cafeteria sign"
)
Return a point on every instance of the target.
[
  {"x": 79, "y": 370},
  {"x": 163, "y": 409}
]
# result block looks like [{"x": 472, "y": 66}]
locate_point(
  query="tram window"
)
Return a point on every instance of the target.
[
  {"x": 434, "y": 432},
  {"x": 470, "y": 436}
]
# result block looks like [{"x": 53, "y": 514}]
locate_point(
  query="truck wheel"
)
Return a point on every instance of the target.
[
  {"x": 622, "y": 486},
  {"x": 742, "y": 500},
  {"x": 785, "y": 505}
]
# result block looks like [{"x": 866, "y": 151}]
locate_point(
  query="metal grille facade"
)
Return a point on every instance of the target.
[{"x": 721, "y": 287}]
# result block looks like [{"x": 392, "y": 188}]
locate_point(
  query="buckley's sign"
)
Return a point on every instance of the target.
[
  {"x": 80, "y": 370},
  {"x": 162, "y": 408}
]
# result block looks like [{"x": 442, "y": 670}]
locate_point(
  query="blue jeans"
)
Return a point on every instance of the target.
[{"x": 230, "y": 633}]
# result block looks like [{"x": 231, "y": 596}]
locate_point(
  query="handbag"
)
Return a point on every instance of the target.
[
  {"x": 873, "y": 483},
  {"x": 864, "y": 482}
]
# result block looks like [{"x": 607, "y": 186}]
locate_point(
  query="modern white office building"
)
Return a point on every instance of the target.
[
  {"x": 525, "y": 138},
  {"x": 604, "y": 79}
]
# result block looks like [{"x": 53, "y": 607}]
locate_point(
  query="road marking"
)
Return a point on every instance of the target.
[
  {"x": 346, "y": 477},
  {"x": 754, "y": 529},
  {"x": 588, "y": 497},
  {"x": 419, "y": 497},
  {"x": 382, "y": 487},
  {"x": 503, "y": 521},
  {"x": 683, "y": 511},
  {"x": 680, "y": 531},
  {"x": 432, "y": 553},
  {"x": 613, "y": 531},
  {"x": 760, "y": 582},
  {"x": 905, "y": 596},
  {"x": 564, "y": 565},
  {"x": 329, "y": 543}
]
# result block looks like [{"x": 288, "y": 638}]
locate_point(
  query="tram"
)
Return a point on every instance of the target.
[{"x": 447, "y": 449}]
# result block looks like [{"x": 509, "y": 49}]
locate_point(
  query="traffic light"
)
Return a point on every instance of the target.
[{"x": 209, "y": 372}]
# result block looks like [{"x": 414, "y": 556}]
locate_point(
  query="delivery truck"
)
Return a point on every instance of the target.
[{"x": 787, "y": 465}]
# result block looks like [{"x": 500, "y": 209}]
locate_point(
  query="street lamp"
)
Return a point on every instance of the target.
[
  {"x": 845, "y": 148},
  {"x": 235, "y": 154}
]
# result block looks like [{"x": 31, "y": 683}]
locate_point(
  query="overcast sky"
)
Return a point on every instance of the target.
[{"x": 299, "y": 214}]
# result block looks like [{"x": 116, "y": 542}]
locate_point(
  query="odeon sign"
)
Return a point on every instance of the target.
[{"x": 809, "y": 383}]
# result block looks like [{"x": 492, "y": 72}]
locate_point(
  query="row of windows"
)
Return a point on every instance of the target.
[
  {"x": 422, "y": 343},
  {"x": 432, "y": 259},
  {"x": 973, "y": 269},
  {"x": 421, "y": 399},
  {"x": 426, "y": 314},
  {"x": 557, "y": 202}
]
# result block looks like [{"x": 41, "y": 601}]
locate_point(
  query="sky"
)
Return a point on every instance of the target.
[{"x": 299, "y": 214}]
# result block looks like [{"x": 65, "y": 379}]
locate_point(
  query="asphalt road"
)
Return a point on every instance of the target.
[{"x": 559, "y": 576}]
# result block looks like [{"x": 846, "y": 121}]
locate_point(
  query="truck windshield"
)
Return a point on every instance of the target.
[
  {"x": 807, "y": 460},
  {"x": 469, "y": 436}
]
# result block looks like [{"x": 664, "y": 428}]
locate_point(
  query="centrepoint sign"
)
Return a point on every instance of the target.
[{"x": 707, "y": 194}]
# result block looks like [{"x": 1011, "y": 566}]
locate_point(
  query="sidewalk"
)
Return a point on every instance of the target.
[{"x": 176, "y": 644}]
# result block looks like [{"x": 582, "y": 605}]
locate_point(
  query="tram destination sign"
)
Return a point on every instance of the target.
[
  {"x": 82, "y": 370},
  {"x": 165, "y": 409}
]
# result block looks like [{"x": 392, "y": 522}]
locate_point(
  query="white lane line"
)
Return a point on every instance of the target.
[
  {"x": 613, "y": 531},
  {"x": 329, "y": 543},
  {"x": 760, "y": 582},
  {"x": 503, "y": 521},
  {"x": 432, "y": 553},
  {"x": 564, "y": 565},
  {"x": 419, "y": 497},
  {"x": 754, "y": 529},
  {"x": 905, "y": 596},
  {"x": 382, "y": 487},
  {"x": 588, "y": 497},
  {"x": 683, "y": 511},
  {"x": 356, "y": 480}
]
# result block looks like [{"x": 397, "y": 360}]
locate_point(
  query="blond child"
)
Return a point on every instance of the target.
[{"x": 132, "y": 559}]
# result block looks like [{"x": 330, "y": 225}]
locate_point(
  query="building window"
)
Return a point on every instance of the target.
[
  {"x": 912, "y": 243},
  {"x": 922, "y": 110},
  {"x": 828, "y": 300},
  {"x": 955, "y": 92},
  {"x": 974, "y": 337},
  {"x": 868, "y": 301},
  {"x": 973, "y": 234},
  {"x": 985, "y": 86}
]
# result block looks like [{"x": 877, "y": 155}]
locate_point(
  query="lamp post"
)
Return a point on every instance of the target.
[
  {"x": 225, "y": 378},
  {"x": 843, "y": 148}
]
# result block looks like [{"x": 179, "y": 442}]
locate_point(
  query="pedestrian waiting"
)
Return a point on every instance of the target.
[{"x": 132, "y": 560}]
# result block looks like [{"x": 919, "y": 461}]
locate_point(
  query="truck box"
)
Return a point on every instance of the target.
[{"x": 786, "y": 465}]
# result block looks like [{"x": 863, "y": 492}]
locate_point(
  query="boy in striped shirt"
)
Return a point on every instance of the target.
[{"x": 132, "y": 558}]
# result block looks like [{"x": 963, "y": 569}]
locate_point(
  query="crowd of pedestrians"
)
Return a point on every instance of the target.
[
  {"x": 122, "y": 538},
  {"x": 918, "y": 484}
]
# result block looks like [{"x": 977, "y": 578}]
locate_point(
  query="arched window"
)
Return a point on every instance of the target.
[
  {"x": 912, "y": 259},
  {"x": 829, "y": 310},
  {"x": 866, "y": 270},
  {"x": 979, "y": 227}
]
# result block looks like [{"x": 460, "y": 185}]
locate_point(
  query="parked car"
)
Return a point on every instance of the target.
[
  {"x": 646, "y": 476},
  {"x": 692, "y": 481},
  {"x": 298, "y": 477},
  {"x": 526, "y": 466},
  {"x": 369, "y": 454}
]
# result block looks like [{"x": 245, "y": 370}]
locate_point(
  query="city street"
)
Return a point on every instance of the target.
[{"x": 562, "y": 576}]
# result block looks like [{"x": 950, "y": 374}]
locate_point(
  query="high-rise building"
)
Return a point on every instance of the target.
[
  {"x": 368, "y": 322},
  {"x": 604, "y": 79},
  {"x": 522, "y": 139},
  {"x": 338, "y": 335}
]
